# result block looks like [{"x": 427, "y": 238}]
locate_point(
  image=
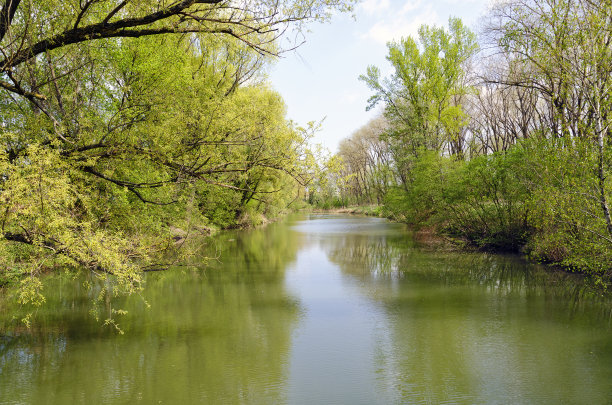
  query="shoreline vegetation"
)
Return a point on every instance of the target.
[{"x": 430, "y": 237}]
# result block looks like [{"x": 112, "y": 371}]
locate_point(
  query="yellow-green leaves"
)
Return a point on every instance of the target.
[
  {"x": 424, "y": 97},
  {"x": 143, "y": 136}
]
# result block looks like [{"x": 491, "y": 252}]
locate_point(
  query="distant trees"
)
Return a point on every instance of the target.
[
  {"x": 359, "y": 173},
  {"x": 367, "y": 168}
]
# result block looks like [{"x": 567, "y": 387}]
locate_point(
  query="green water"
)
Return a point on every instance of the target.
[{"x": 319, "y": 309}]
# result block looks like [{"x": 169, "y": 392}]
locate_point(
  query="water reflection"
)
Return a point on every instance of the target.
[
  {"x": 320, "y": 309},
  {"x": 473, "y": 328},
  {"x": 392, "y": 253},
  {"x": 219, "y": 336}
]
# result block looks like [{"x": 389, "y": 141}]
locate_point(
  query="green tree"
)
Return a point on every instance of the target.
[
  {"x": 564, "y": 51},
  {"x": 423, "y": 97}
]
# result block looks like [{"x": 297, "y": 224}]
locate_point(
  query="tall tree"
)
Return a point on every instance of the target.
[
  {"x": 423, "y": 97},
  {"x": 564, "y": 50}
]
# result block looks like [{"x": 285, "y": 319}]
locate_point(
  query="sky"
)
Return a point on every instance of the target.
[{"x": 319, "y": 80}]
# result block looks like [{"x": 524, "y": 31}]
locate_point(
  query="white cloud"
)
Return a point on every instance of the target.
[
  {"x": 410, "y": 6},
  {"x": 392, "y": 19},
  {"x": 402, "y": 24},
  {"x": 321, "y": 79},
  {"x": 374, "y": 6},
  {"x": 467, "y": 2}
]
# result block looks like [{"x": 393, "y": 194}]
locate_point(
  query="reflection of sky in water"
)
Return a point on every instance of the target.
[
  {"x": 331, "y": 357},
  {"x": 386, "y": 323}
]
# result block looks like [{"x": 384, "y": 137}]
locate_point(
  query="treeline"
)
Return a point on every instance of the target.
[
  {"x": 361, "y": 173},
  {"x": 502, "y": 140},
  {"x": 126, "y": 126}
]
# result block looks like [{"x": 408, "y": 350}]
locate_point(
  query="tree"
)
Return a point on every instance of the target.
[
  {"x": 367, "y": 162},
  {"x": 423, "y": 97},
  {"x": 564, "y": 51},
  {"x": 500, "y": 114},
  {"x": 115, "y": 115}
]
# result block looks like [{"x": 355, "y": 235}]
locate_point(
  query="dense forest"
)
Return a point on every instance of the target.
[
  {"x": 127, "y": 125},
  {"x": 501, "y": 139}
]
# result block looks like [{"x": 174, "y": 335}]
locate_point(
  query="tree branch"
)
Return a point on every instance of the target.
[
  {"x": 120, "y": 28},
  {"x": 20, "y": 91},
  {"x": 6, "y": 16}
]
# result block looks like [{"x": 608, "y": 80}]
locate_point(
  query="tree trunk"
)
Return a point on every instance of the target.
[{"x": 601, "y": 178}]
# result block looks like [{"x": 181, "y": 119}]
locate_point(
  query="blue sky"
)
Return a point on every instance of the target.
[{"x": 320, "y": 79}]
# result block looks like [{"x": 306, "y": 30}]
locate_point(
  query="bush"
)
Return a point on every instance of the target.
[
  {"x": 485, "y": 202},
  {"x": 565, "y": 207},
  {"x": 421, "y": 200},
  {"x": 542, "y": 197}
]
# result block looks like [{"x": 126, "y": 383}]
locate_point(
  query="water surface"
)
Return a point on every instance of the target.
[{"x": 319, "y": 309}]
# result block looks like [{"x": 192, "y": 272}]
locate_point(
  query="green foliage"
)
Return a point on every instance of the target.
[
  {"x": 543, "y": 112},
  {"x": 539, "y": 197},
  {"x": 421, "y": 198},
  {"x": 112, "y": 150},
  {"x": 330, "y": 179},
  {"x": 485, "y": 201},
  {"x": 422, "y": 98},
  {"x": 566, "y": 207}
]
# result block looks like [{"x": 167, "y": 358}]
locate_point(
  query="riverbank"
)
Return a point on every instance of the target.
[
  {"x": 433, "y": 237},
  {"x": 181, "y": 242}
]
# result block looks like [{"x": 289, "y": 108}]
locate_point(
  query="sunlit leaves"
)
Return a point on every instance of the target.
[{"x": 423, "y": 97}]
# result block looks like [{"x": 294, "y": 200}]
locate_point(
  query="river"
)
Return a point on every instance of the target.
[{"x": 319, "y": 309}]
